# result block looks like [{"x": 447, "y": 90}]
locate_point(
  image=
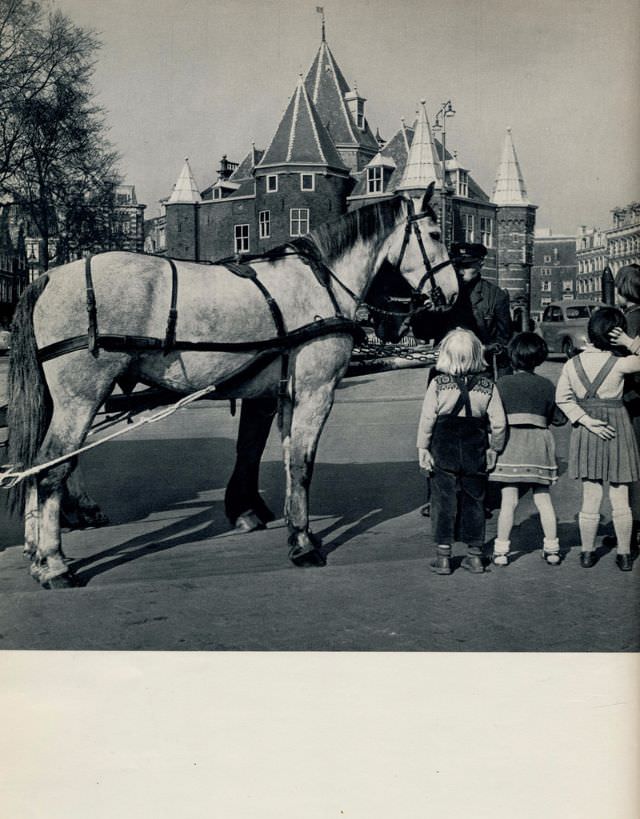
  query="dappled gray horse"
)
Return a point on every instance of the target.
[{"x": 281, "y": 324}]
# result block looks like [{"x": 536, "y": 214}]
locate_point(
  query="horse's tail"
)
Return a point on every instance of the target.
[{"x": 29, "y": 408}]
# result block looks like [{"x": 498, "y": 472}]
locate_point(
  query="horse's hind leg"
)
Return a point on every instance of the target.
[
  {"x": 77, "y": 392},
  {"x": 242, "y": 501},
  {"x": 79, "y": 510},
  {"x": 31, "y": 520},
  {"x": 312, "y": 407}
]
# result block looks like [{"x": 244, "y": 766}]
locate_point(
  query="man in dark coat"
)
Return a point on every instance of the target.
[{"x": 482, "y": 307}]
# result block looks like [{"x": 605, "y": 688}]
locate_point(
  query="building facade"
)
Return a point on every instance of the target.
[
  {"x": 554, "y": 271},
  {"x": 323, "y": 161},
  {"x": 614, "y": 247}
]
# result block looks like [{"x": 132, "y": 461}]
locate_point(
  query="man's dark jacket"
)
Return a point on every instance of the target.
[{"x": 481, "y": 307}]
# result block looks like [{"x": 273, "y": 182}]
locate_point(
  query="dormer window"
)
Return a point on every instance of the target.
[
  {"x": 272, "y": 183},
  {"x": 360, "y": 114},
  {"x": 217, "y": 193},
  {"x": 307, "y": 182},
  {"x": 374, "y": 180},
  {"x": 462, "y": 183}
]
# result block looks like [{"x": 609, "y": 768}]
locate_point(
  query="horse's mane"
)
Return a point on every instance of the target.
[{"x": 335, "y": 237}]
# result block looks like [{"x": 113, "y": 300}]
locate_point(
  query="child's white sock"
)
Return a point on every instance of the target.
[
  {"x": 622, "y": 524},
  {"x": 501, "y": 552},
  {"x": 588, "y": 524},
  {"x": 551, "y": 550}
]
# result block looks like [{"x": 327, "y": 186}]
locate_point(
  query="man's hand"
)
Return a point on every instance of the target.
[
  {"x": 492, "y": 457},
  {"x": 425, "y": 459},
  {"x": 598, "y": 427}
]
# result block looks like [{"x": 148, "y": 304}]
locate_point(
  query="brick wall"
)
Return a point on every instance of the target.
[{"x": 515, "y": 228}]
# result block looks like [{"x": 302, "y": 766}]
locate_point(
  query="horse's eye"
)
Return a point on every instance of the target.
[{"x": 435, "y": 235}]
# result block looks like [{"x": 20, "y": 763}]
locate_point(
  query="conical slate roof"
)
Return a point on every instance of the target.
[
  {"x": 326, "y": 85},
  {"x": 423, "y": 165},
  {"x": 301, "y": 137},
  {"x": 509, "y": 186},
  {"x": 185, "y": 190}
]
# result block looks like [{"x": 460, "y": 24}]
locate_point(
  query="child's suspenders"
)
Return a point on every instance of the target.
[
  {"x": 592, "y": 387},
  {"x": 463, "y": 402}
]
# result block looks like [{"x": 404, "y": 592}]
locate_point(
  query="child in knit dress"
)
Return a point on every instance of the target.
[
  {"x": 528, "y": 459},
  {"x": 603, "y": 446},
  {"x": 462, "y": 428}
]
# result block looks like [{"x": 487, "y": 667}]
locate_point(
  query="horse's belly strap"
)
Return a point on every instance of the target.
[{"x": 142, "y": 344}]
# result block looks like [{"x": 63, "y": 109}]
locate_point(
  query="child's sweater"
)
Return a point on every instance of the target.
[
  {"x": 529, "y": 399},
  {"x": 441, "y": 397}
]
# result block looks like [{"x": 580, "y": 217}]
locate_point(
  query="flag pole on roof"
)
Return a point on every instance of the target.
[{"x": 320, "y": 10}]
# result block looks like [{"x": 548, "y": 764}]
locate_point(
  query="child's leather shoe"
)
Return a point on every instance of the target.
[
  {"x": 473, "y": 564},
  {"x": 441, "y": 565}
]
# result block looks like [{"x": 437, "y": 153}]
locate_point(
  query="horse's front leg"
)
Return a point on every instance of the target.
[{"x": 311, "y": 410}]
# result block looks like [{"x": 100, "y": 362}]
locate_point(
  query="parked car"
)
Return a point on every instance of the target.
[
  {"x": 564, "y": 325},
  {"x": 5, "y": 341}
]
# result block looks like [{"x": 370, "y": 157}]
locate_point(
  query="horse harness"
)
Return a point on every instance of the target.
[{"x": 266, "y": 351}]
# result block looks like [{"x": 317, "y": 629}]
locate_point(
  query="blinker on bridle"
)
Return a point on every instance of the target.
[{"x": 435, "y": 299}]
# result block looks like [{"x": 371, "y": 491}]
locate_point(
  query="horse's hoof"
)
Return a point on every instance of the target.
[
  {"x": 28, "y": 551},
  {"x": 61, "y": 581},
  {"x": 91, "y": 519},
  {"x": 306, "y": 558},
  {"x": 248, "y": 522}
]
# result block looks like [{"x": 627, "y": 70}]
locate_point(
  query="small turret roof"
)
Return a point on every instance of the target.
[
  {"x": 509, "y": 188},
  {"x": 301, "y": 137},
  {"x": 185, "y": 190},
  {"x": 423, "y": 164}
]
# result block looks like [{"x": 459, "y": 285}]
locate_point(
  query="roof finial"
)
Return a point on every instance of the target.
[{"x": 320, "y": 10}]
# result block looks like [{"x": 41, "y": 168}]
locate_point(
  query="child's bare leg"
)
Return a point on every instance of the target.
[
  {"x": 508, "y": 505},
  {"x": 550, "y": 544},
  {"x": 544, "y": 504}
]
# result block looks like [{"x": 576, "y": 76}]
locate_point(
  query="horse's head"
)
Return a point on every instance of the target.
[{"x": 415, "y": 248}]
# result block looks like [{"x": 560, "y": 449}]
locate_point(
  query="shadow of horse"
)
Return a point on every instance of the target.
[{"x": 137, "y": 479}]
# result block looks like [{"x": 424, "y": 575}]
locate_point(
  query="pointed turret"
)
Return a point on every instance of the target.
[
  {"x": 509, "y": 186},
  {"x": 185, "y": 190},
  {"x": 341, "y": 108},
  {"x": 423, "y": 165},
  {"x": 301, "y": 138}
]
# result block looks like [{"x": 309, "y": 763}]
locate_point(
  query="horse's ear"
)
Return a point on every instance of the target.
[{"x": 427, "y": 196}]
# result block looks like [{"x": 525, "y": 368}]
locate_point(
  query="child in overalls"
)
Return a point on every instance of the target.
[
  {"x": 603, "y": 446},
  {"x": 462, "y": 428}
]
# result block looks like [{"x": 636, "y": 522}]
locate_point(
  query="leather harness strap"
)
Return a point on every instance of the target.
[
  {"x": 170, "y": 335},
  {"x": 92, "y": 329}
]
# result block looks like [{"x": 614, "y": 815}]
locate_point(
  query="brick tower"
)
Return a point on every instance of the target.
[
  {"x": 182, "y": 214},
  {"x": 515, "y": 218}
]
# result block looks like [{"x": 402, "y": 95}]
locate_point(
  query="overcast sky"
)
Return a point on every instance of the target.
[{"x": 201, "y": 78}]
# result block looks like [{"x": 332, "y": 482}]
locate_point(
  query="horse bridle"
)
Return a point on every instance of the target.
[{"x": 435, "y": 299}]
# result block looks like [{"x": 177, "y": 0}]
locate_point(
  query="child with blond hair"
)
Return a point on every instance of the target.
[{"x": 462, "y": 429}]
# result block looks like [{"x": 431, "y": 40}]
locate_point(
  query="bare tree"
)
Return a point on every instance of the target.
[{"x": 55, "y": 160}]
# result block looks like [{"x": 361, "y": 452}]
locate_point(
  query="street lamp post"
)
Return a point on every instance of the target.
[{"x": 440, "y": 124}]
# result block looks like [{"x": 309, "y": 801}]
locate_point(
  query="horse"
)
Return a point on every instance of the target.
[{"x": 282, "y": 325}]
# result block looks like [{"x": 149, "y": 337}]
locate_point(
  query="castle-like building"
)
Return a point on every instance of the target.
[{"x": 325, "y": 160}]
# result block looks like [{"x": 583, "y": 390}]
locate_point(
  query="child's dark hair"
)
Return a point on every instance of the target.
[
  {"x": 602, "y": 322},
  {"x": 527, "y": 351},
  {"x": 628, "y": 282}
]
